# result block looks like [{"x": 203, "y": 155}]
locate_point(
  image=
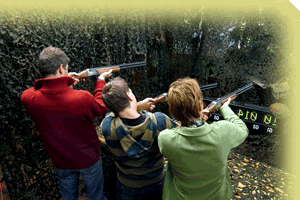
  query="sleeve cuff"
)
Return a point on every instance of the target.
[
  {"x": 225, "y": 109},
  {"x": 100, "y": 83}
]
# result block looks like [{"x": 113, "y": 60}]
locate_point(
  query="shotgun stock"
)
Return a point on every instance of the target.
[
  {"x": 99, "y": 70},
  {"x": 215, "y": 105},
  {"x": 161, "y": 98}
]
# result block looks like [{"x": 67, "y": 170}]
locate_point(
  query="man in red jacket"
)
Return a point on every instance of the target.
[{"x": 64, "y": 118}]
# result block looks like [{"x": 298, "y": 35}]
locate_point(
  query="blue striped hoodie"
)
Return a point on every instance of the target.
[{"x": 135, "y": 149}]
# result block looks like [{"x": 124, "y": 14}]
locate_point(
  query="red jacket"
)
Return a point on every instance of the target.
[{"x": 64, "y": 118}]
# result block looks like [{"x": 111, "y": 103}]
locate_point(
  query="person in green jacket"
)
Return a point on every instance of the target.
[{"x": 197, "y": 151}]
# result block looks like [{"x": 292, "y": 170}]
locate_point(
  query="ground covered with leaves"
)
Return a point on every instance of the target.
[
  {"x": 259, "y": 169},
  {"x": 252, "y": 179}
]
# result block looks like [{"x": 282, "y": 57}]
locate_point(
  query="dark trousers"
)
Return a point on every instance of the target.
[
  {"x": 92, "y": 177},
  {"x": 149, "y": 192}
]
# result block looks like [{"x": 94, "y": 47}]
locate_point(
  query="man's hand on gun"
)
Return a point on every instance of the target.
[
  {"x": 74, "y": 75},
  {"x": 105, "y": 75},
  {"x": 102, "y": 76}
]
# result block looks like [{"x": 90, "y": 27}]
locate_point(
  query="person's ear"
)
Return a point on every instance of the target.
[
  {"x": 128, "y": 96},
  {"x": 60, "y": 69},
  {"x": 200, "y": 105}
]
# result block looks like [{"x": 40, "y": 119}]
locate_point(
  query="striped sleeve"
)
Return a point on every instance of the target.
[
  {"x": 106, "y": 123},
  {"x": 164, "y": 122}
]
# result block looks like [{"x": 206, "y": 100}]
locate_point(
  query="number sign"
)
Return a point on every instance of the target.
[{"x": 258, "y": 119}]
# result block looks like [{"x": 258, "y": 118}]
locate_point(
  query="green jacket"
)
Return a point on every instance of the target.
[{"x": 197, "y": 158}]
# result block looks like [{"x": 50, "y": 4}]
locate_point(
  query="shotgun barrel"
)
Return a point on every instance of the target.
[
  {"x": 99, "y": 70},
  {"x": 208, "y": 86},
  {"x": 215, "y": 105},
  {"x": 164, "y": 96}
]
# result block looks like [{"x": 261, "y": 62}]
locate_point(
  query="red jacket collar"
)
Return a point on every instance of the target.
[{"x": 53, "y": 83}]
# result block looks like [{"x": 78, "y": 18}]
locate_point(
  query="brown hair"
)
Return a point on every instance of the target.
[
  {"x": 50, "y": 59},
  {"x": 183, "y": 99},
  {"x": 114, "y": 95}
]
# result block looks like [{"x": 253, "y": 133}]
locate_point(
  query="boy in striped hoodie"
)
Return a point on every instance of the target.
[{"x": 131, "y": 135}]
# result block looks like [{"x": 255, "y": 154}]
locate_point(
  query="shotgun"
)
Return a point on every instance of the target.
[
  {"x": 99, "y": 70},
  {"x": 215, "y": 105},
  {"x": 164, "y": 96}
]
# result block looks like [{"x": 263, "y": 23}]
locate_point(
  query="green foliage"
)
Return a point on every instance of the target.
[{"x": 195, "y": 44}]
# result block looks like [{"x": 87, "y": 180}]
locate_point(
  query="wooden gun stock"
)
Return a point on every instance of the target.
[
  {"x": 106, "y": 69},
  {"x": 81, "y": 75},
  {"x": 161, "y": 98}
]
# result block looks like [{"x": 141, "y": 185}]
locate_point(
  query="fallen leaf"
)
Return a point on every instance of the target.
[
  {"x": 240, "y": 185},
  {"x": 279, "y": 190}
]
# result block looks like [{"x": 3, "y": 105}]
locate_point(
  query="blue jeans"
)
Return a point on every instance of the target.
[
  {"x": 92, "y": 177},
  {"x": 149, "y": 192}
]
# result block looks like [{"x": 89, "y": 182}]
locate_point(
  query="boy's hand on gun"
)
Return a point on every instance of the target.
[{"x": 146, "y": 104}]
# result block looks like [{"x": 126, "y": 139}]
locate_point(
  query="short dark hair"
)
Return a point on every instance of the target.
[
  {"x": 183, "y": 99},
  {"x": 114, "y": 95},
  {"x": 50, "y": 59}
]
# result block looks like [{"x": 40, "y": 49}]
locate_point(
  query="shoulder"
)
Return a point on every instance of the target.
[
  {"x": 159, "y": 115},
  {"x": 165, "y": 138},
  {"x": 167, "y": 134},
  {"x": 222, "y": 124},
  {"x": 161, "y": 120},
  {"x": 81, "y": 94},
  {"x": 220, "y": 128},
  {"x": 108, "y": 118},
  {"x": 164, "y": 121},
  {"x": 106, "y": 125},
  {"x": 26, "y": 94}
]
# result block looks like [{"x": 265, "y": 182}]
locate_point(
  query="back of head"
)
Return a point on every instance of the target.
[
  {"x": 114, "y": 95},
  {"x": 50, "y": 59},
  {"x": 184, "y": 97}
]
